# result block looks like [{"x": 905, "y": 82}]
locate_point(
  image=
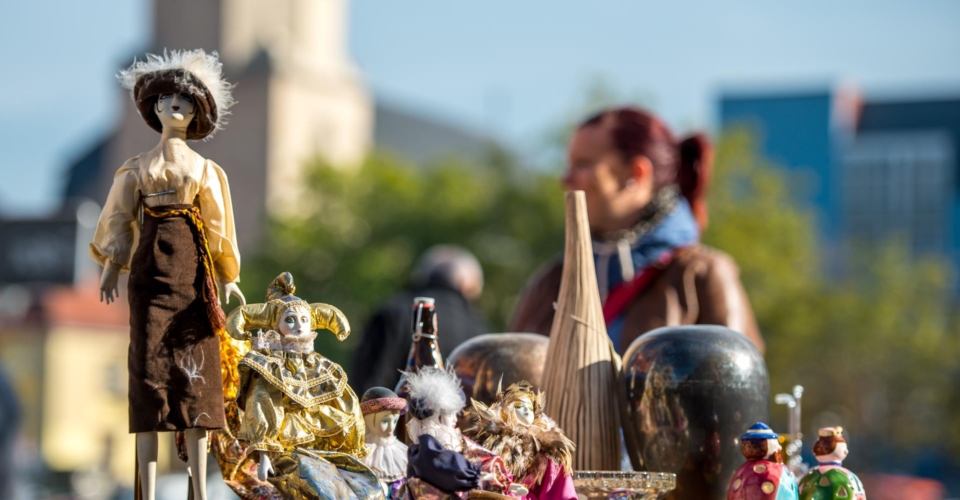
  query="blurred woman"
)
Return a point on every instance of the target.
[{"x": 645, "y": 202}]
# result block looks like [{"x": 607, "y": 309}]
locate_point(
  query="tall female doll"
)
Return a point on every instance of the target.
[{"x": 168, "y": 221}]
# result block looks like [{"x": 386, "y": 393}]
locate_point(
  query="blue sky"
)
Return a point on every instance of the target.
[{"x": 507, "y": 67}]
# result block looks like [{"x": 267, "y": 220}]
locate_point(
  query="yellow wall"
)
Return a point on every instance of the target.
[
  {"x": 21, "y": 357},
  {"x": 85, "y": 419}
]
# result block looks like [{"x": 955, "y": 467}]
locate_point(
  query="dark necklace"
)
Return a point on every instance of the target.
[{"x": 660, "y": 205}]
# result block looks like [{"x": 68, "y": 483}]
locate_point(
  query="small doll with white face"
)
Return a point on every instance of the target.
[
  {"x": 387, "y": 456},
  {"x": 829, "y": 479},
  {"x": 535, "y": 450},
  {"x": 764, "y": 476}
]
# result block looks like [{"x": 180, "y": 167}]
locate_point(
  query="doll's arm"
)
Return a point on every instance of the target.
[
  {"x": 263, "y": 413},
  {"x": 264, "y": 468},
  {"x": 330, "y": 318},
  {"x": 118, "y": 225},
  {"x": 216, "y": 208}
]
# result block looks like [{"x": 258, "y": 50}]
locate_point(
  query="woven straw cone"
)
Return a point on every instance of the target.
[{"x": 580, "y": 376}]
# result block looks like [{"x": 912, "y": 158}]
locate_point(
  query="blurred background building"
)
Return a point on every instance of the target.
[{"x": 871, "y": 169}]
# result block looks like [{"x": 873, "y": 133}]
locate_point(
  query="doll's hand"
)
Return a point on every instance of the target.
[
  {"x": 265, "y": 468},
  {"x": 232, "y": 289},
  {"x": 518, "y": 489},
  {"x": 108, "y": 283}
]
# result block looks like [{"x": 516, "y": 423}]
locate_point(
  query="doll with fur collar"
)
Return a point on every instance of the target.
[{"x": 535, "y": 450}]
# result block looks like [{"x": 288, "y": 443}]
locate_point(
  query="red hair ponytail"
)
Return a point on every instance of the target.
[
  {"x": 693, "y": 174},
  {"x": 688, "y": 164}
]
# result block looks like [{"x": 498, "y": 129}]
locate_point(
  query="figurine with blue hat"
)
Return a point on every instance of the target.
[{"x": 764, "y": 476}]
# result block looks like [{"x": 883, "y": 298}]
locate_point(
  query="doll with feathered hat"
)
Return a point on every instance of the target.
[
  {"x": 535, "y": 450},
  {"x": 168, "y": 221},
  {"x": 297, "y": 414},
  {"x": 442, "y": 462}
]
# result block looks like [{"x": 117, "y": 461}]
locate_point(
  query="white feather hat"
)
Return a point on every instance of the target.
[
  {"x": 432, "y": 391},
  {"x": 193, "y": 72}
]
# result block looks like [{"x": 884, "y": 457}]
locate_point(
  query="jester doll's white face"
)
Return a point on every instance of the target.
[
  {"x": 175, "y": 110},
  {"x": 295, "y": 321}
]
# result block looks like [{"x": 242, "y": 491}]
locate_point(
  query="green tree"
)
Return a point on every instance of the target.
[
  {"x": 356, "y": 243},
  {"x": 875, "y": 347}
]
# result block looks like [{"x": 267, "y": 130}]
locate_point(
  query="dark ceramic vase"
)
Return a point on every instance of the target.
[
  {"x": 690, "y": 392},
  {"x": 482, "y": 360}
]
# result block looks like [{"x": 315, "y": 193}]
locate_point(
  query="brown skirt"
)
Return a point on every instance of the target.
[{"x": 174, "y": 357}]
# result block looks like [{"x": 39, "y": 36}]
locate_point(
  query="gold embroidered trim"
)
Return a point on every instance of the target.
[{"x": 284, "y": 383}]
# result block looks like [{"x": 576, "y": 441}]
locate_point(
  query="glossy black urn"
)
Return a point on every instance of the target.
[
  {"x": 689, "y": 393},
  {"x": 481, "y": 361}
]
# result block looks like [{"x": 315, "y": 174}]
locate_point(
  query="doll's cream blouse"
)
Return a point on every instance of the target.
[{"x": 119, "y": 225}]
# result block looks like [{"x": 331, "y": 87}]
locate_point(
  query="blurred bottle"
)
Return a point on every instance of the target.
[{"x": 424, "y": 351}]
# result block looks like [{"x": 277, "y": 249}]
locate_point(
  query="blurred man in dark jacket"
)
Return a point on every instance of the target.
[{"x": 449, "y": 274}]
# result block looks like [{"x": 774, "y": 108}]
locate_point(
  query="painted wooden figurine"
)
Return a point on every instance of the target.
[
  {"x": 535, "y": 450},
  {"x": 168, "y": 221},
  {"x": 387, "y": 455},
  {"x": 443, "y": 463},
  {"x": 829, "y": 479},
  {"x": 764, "y": 476},
  {"x": 300, "y": 418}
]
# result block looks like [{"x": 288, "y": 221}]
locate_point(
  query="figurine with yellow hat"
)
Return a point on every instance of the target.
[
  {"x": 764, "y": 476},
  {"x": 300, "y": 418},
  {"x": 829, "y": 479}
]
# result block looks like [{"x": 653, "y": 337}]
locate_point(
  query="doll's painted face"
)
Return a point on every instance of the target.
[
  {"x": 295, "y": 321},
  {"x": 175, "y": 110},
  {"x": 383, "y": 423},
  {"x": 523, "y": 408}
]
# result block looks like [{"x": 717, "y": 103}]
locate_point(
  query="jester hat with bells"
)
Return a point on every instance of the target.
[{"x": 244, "y": 321}]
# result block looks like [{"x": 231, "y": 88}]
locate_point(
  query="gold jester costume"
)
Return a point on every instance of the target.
[{"x": 295, "y": 405}]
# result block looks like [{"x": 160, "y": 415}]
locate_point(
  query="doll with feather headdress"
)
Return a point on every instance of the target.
[{"x": 536, "y": 451}]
